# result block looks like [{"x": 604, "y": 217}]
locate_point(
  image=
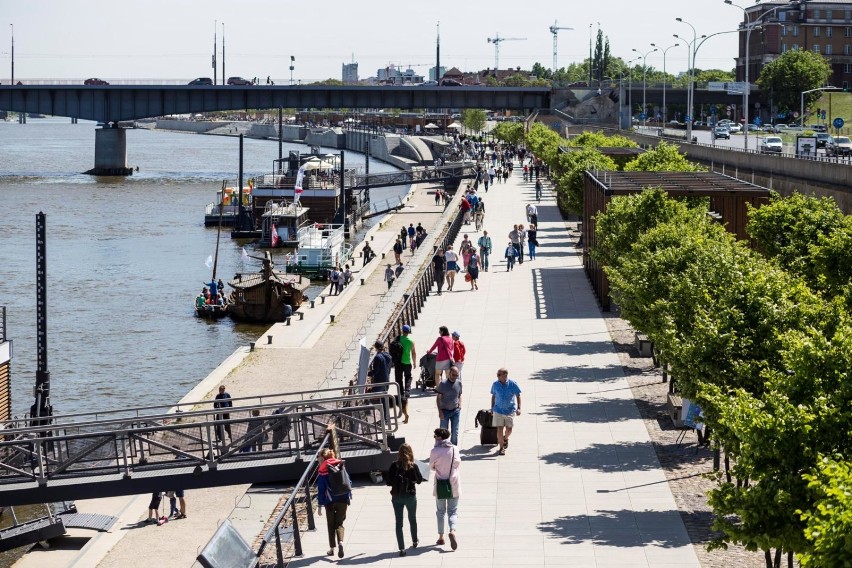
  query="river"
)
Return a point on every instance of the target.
[{"x": 125, "y": 260}]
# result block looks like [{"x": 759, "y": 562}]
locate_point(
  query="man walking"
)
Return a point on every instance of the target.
[
  {"x": 532, "y": 213},
  {"x": 484, "y": 244},
  {"x": 504, "y": 391},
  {"x": 439, "y": 268},
  {"x": 404, "y": 355},
  {"x": 538, "y": 189},
  {"x": 223, "y": 400},
  {"x": 515, "y": 239},
  {"x": 380, "y": 374},
  {"x": 449, "y": 400}
]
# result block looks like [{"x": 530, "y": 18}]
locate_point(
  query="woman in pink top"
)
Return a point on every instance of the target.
[
  {"x": 443, "y": 347},
  {"x": 445, "y": 461}
]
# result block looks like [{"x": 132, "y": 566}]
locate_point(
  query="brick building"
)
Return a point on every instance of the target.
[{"x": 822, "y": 26}]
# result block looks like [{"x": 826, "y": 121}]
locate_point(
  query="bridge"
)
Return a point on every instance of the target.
[{"x": 191, "y": 445}]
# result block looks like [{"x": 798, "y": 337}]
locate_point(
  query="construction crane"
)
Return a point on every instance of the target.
[
  {"x": 497, "y": 40},
  {"x": 554, "y": 29}
]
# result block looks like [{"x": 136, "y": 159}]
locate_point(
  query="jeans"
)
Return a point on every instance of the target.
[
  {"x": 531, "y": 250},
  {"x": 483, "y": 254},
  {"x": 404, "y": 387},
  {"x": 447, "y": 507},
  {"x": 451, "y": 420},
  {"x": 335, "y": 514},
  {"x": 400, "y": 503},
  {"x": 510, "y": 263},
  {"x": 519, "y": 249}
]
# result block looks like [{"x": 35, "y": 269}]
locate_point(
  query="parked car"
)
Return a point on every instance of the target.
[
  {"x": 779, "y": 128},
  {"x": 722, "y": 132},
  {"x": 238, "y": 81},
  {"x": 202, "y": 81},
  {"x": 771, "y": 145},
  {"x": 450, "y": 83},
  {"x": 829, "y": 145},
  {"x": 733, "y": 127},
  {"x": 753, "y": 128},
  {"x": 823, "y": 138},
  {"x": 94, "y": 81},
  {"x": 843, "y": 146},
  {"x": 818, "y": 128}
]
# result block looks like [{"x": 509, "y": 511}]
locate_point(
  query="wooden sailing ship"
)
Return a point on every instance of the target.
[{"x": 266, "y": 296}]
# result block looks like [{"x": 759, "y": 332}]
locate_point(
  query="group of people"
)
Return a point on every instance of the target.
[
  {"x": 175, "y": 512},
  {"x": 339, "y": 278},
  {"x": 212, "y": 294},
  {"x": 519, "y": 238},
  {"x": 412, "y": 235}
]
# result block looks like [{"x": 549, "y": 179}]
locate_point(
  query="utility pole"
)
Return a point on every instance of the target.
[
  {"x": 13, "y": 53},
  {"x": 438, "y": 55},
  {"x": 223, "y": 54},
  {"x": 215, "y": 29}
]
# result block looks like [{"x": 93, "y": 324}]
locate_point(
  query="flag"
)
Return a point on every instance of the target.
[
  {"x": 209, "y": 262},
  {"x": 275, "y": 238},
  {"x": 251, "y": 183},
  {"x": 297, "y": 190},
  {"x": 244, "y": 254}
]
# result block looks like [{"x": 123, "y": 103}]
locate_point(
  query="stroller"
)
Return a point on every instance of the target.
[{"x": 427, "y": 371}]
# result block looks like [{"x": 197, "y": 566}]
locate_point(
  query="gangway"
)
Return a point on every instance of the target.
[
  {"x": 192, "y": 445},
  {"x": 436, "y": 174}
]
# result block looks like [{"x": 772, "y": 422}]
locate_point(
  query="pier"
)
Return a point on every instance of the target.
[{"x": 580, "y": 484}]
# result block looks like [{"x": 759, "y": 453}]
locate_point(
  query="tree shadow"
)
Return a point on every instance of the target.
[
  {"x": 574, "y": 347},
  {"x": 622, "y": 528},
  {"x": 609, "y": 458},
  {"x": 554, "y": 291},
  {"x": 592, "y": 412},
  {"x": 578, "y": 374}
]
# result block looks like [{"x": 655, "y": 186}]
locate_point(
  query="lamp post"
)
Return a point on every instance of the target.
[
  {"x": 292, "y": 67},
  {"x": 665, "y": 110},
  {"x": 644, "y": 68},
  {"x": 630, "y": 88},
  {"x": 224, "y": 80},
  {"x": 215, "y": 29},
  {"x": 13, "y": 53},
  {"x": 691, "y": 88}
]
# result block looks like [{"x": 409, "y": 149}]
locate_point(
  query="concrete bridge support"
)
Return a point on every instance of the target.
[{"x": 110, "y": 152}]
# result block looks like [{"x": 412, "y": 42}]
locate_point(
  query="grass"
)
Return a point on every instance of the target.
[{"x": 841, "y": 107}]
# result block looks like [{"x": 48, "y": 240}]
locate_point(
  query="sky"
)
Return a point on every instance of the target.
[{"x": 173, "y": 39}]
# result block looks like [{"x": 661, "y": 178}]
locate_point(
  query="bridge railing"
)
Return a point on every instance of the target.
[
  {"x": 142, "y": 441},
  {"x": 2, "y": 323}
]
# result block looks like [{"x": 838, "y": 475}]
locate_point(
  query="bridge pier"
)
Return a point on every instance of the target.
[{"x": 110, "y": 152}]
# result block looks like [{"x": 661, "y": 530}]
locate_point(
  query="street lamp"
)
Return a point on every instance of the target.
[
  {"x": 644, "y": 106},
  {"x": 749, "y": 26},
  {"x": 224, "y": 80},
  {"x": 13, "y": 53},
  {"x": 802, "y": 102},
  {"x": 665, "y": 110},
  {"x": 292, "y": 67},
  {"x": 691, "y": 89},
  {"x": 630, "y": 88}
]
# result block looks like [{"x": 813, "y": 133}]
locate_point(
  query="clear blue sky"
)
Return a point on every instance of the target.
[{"x": 173, "y": 39}]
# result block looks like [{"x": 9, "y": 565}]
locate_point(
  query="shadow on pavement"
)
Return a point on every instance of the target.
[
  {"x": 620, "y": 528},
  {"x": 577, "y": 374},
  {"x": 609, "y": 458},
  {"x": 592, "y": 412}
]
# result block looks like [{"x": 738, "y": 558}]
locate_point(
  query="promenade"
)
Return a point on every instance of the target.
[{"x": 580, "y": 484}]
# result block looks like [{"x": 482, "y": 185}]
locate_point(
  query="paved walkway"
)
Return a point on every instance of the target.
[{"x": 580, "y": 484}]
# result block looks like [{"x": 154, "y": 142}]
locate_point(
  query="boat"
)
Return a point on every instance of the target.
[
  {"x": 266, "y": 296},
  {"x": 213, "y": 306},
  {"x": 321, "y": 247},
  {"x": 211, "y": 311},
  {"x": 227, "y": 204},
  {"x": 280, "y": 224}
]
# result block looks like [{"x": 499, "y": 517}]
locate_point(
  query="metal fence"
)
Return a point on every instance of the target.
[{"x": 2, "y": 323}]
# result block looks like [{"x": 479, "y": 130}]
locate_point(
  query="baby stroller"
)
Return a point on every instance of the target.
[{"x": 427, "y": 371}]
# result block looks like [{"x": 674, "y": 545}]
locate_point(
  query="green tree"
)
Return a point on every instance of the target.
[
  {"x": 511, "y": 132},
  {"x": 474, "y": 119},
  {"x": 664, "y": 157},
  {"x": 829, "y": 521},
  {"x": 329, "y": 82},
  {"x": 541, "y": 71},
  {"x": 570, "y": 172},
  {"x": 792, "y": 73}
]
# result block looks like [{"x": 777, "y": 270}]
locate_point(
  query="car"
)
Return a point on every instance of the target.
[
  {"x": 735, "y": 128},
  {"x": 429, "y": 84},
  {"x": 823, "y": 138},
  {"x": 842, "y": 146},
  {"x": 450, "y": 83},
  {"x": 779, "y": 128},
  {"x": 201, "y": 81},
  {"x": 722, "y": 132},
  {"x": 771, "y": 145},
  {"x": 238, "y": 81},
  {"x": 94, "y": 81},
  {"x": 818, "y": 128},
  {"x": 753, "y": 128}
]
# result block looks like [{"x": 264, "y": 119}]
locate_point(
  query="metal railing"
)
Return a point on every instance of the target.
[{"x": 2, "y": 323}]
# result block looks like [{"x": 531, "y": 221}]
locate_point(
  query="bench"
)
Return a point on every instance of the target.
[
  {"x": 674, "y": 404},
  {"x": 644, "y": 345}
]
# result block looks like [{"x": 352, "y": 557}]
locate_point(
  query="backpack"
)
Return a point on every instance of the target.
[
  {"x": 339, "y": 482},
  {"x": 395, "y": 349}
]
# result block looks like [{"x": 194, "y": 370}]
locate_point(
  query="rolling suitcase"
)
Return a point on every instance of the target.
[{"x": 487, "y": 432}]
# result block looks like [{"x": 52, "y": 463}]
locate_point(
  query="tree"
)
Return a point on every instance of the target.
[
  {"x": 570, "y": 172},
  {"x": 474, "y": 119},
  {"x": 542, "y": 72},
  {"x": 329, "y": 82},
  {"x": 511, "y": 132},
  {"x": 792, "y": 73},
  {"x": 829, "y": 521},
  {"x": 664, "y": 158}
]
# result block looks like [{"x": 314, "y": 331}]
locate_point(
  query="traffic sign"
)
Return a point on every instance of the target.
[
  {"x": 713, "y": 110},
  {"x": 838, "y": 123},
  {"x": 795, "y": 114},
  {"x": 687, "y": 118},
  {"x": 757, "y": 120},
  {"x": 642, "y": 116},
  {"x": 729, "y": 108}
]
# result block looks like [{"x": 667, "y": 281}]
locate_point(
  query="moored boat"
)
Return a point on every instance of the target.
[
  {"x": 266, "y": 296},
  {"x": 280, "y": 224},
  {"x": 228, "y": 204},
  {"x": 321, "y": 247}
]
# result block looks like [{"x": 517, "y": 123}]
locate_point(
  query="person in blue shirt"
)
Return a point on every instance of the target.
[{"x": 504, "y": 391}]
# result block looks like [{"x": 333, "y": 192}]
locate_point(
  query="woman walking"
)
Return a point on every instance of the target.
[
  {"x": 445, "y": 461},
  {"x": 452, "y": 266},
  {"x": 443, "y": 347},
  {"x": 473, "y": 269},
  {"x": 532, "y": 242},
  {"x": 403, "y": 477},
  {"x": 465, "y": 248},
  {"x": 335, "y": 505}
]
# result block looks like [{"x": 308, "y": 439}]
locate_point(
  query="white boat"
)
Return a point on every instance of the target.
[
  {"x": 321, "y": 247},
  {"x": 280, "y": 224}
]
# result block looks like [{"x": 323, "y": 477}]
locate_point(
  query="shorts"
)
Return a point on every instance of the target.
[
  {"x": 179, "y": 493},
  {"x": 443, "y": 365},
  {"x": 501, "y": 420},
  {"x": 156, "y": 499}
]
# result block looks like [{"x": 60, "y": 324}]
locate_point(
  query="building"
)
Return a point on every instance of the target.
[
  {"x": 392, "y": 75},
  {"x": 441, "y": 71},
  {"x": 822, "y": 26},
  {"x": 350, "y": 73}
]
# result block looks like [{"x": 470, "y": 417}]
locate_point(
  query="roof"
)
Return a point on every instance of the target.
[
  {"x": 676, "y": 183},
  {"x": 254, "y": 279}
]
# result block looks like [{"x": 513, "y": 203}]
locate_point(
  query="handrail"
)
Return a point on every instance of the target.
[{"x": 2, "y": 323}]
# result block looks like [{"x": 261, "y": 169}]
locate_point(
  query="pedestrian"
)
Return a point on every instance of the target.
[
  {"x": 459, "y": 351},
  {"x": 515, "y": 240},
  {"x": 367, "y": 253},
  {"x": 473, "y": 270},
  {"x": 403, "y": 478},
  {"x": 465, "y": 249},
  {"x": 445, "y": 461},
  {"x": 398, "y": 247},
  {"x": 464, "y": 207},
  {"x": 484, "y": 244},
  {"x": 452, "y": 266},
  {"x": 390, "y": 275},
  {"x": 403, "y": 236},
  {"x": 347, "y": 276},
  {"x": 223, "y": 400},
  {"x": 526, "y": 172},
  {"x": 443, "y": 348},
  {"x": 181, "y": 509},
  {"x": 522, "y": 241},
  {"x": 255, "y": 436},
  {"x": 334, "y": 279},
  {"x": 398, "y": 270},
  {"x": 380, "y": 370},
  {"x": 538, "y": 189},
  {"x": 404, "y": 355},
  {"x": 511, "y": 253},
  {"x": 449, "y": 399},
  {"x": 411, "y": 233},
  {"x": 532, "y": 214},
  {"x": 479, "y": 215},
  {"x": 532, "y": 241},
  {"x": 504, "y": 391},
  {"x": 439, "y": 268},
  {"x": 437, "y": 197},
  {"x": 335, "y": 505},
  {"x": 154, "y": 507}
]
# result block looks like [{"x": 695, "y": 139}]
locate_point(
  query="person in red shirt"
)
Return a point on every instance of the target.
[
  {"x": 458, "y": 352},
  {"x": 465, "y": 207}
]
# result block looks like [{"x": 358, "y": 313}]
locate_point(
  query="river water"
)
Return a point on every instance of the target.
[{"x": 125, "y": 260}]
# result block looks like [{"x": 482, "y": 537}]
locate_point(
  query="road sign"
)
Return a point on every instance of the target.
[
  {"x": 713, "y": 110},
  {"x": 838, "y": 123},
  {"x": 729, "y": 108},
  {"x": 796, "y": 114},
  {"x": 757, "y": 120},
  {"x": 687, "y": 118},
  {"x": 642, "y": 116}
]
